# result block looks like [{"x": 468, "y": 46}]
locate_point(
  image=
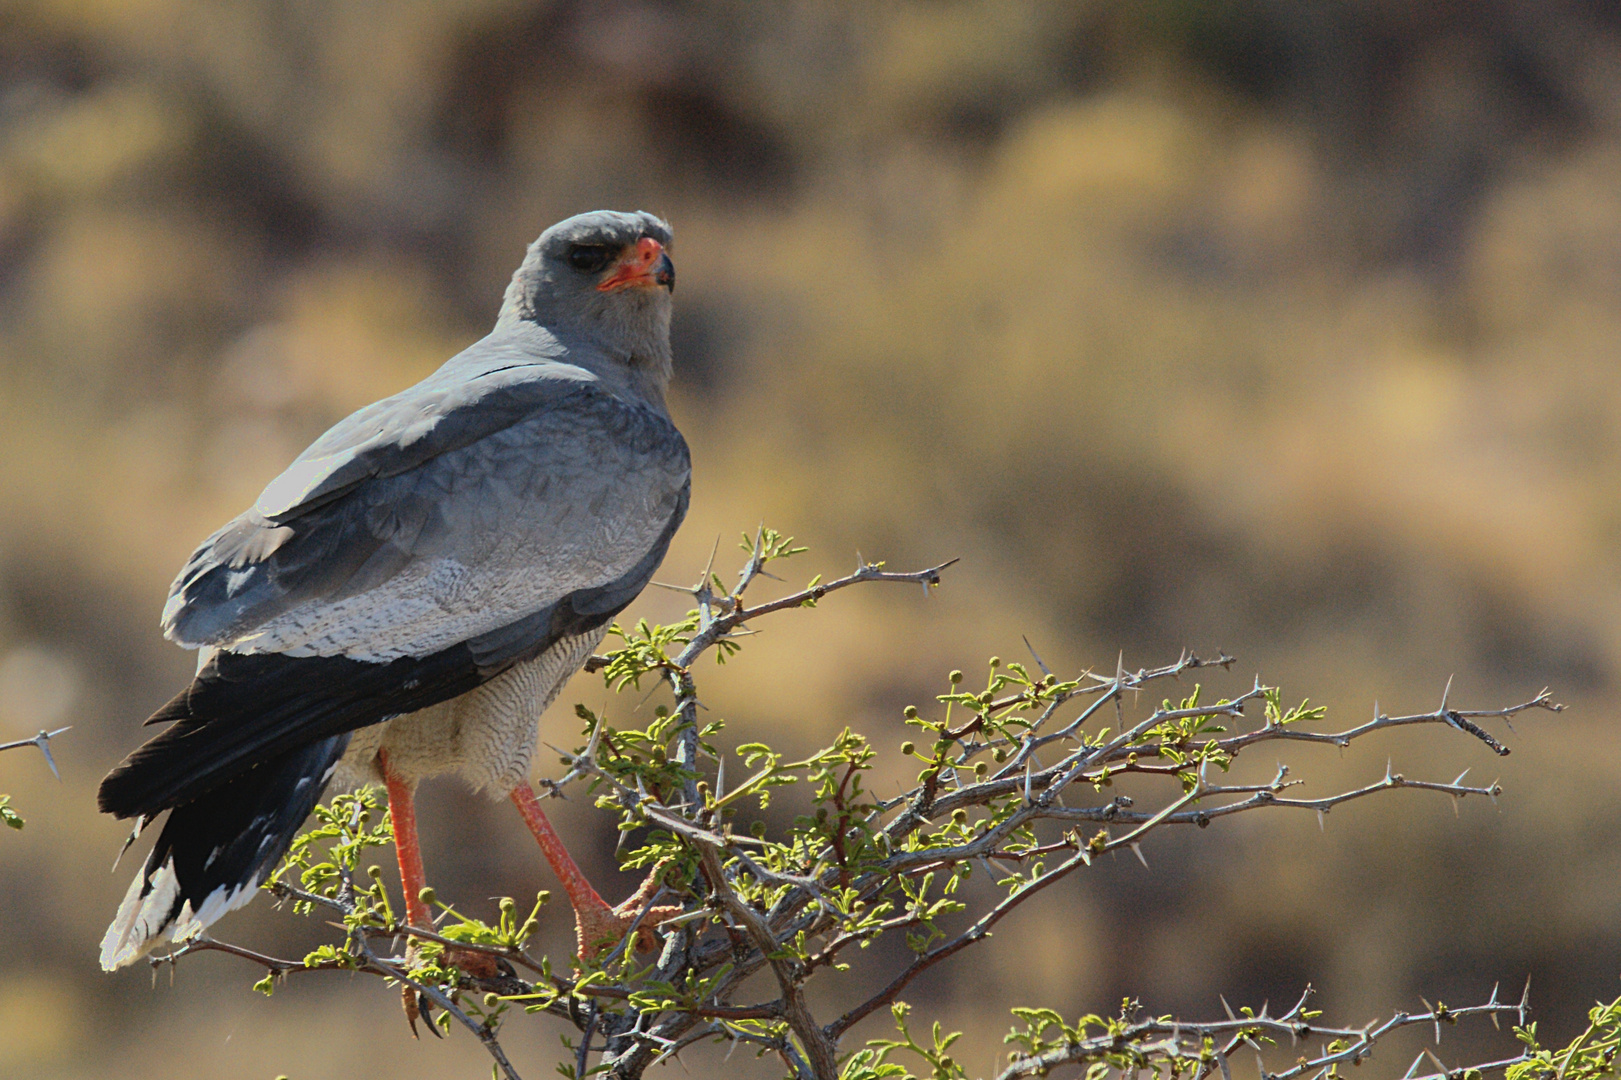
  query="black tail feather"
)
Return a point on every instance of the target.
[
  {"x": 215, "y": 851},
  {"x": 244, "y": 709},
  {"x": 235, "y": 834}
]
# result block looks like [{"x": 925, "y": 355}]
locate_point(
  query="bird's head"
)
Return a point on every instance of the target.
[{"x": 606, "y": 276}]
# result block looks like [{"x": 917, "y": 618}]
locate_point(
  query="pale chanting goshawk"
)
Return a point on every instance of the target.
[{"x": 414, "y": 590}]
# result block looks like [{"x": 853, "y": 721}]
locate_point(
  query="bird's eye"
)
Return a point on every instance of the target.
[{"x": 589, "y": 258}]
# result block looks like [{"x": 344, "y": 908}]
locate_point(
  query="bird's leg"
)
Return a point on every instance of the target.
[
  {"x": 403, "y": 818},
  {"x": 593, "y": 919},
  {"x": 596, "y": 925}
]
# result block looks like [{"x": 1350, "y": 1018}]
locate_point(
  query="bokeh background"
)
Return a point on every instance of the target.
[{"x": 1288, "y": 328}]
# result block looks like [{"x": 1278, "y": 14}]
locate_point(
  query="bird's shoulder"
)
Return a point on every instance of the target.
[{"x": 528, "y": 386}]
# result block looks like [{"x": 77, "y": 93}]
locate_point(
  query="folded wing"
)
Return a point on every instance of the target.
[{"x": 418, "y": 549}]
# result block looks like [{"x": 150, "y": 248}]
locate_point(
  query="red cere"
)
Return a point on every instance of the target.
[{"x": 636, "y": 268}]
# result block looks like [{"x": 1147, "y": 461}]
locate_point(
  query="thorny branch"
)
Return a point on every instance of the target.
[
  {"x": 8, "y": 814},
  {"x": 818, "y": 1046},
  {"x": 43, "y": 741},
  {"x": 721, "y": 616},
  {"x": 997, "y": 767},
  {"x": 1211, "y": 1045}
]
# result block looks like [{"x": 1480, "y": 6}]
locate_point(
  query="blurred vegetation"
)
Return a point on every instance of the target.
[{"x": 1288, "y": 329}]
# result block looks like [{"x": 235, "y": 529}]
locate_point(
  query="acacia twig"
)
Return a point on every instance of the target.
[
  {"x": 43, "y": 741},
  {"x": 1184, "y": 1040}
]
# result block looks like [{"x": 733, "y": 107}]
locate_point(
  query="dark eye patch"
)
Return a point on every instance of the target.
[{"x": 589, "y": 258}]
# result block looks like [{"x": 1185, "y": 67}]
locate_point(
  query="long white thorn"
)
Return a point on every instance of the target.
[{"x": 1040, "y": 663}]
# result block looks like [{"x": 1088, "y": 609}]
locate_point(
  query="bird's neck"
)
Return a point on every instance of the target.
[
  {"x": 634, "y": 359},
  {"x": 645, "y": 379},
  {"x": 625, "y": 343},
  {"x": 636, "y": 331},
  {"x": 640, "y": 373}
]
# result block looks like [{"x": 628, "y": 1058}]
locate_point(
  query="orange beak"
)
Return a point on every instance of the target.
[{"x": 644, "y": 263}]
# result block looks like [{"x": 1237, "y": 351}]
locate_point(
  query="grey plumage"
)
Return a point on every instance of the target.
[
  {"x": 397, "y": 507},
  {"x": 387, "y": 540},
  {"x": 448, "y": 556}
]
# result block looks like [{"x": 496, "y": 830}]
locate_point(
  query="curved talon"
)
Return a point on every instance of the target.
[{"x": 416, "y": 1005}]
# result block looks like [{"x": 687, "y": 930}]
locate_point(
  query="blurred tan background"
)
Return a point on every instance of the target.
[{"x": 1288, "y": 328}]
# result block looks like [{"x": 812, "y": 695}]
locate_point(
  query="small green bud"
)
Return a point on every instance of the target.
[
  {"x": 491, "y": 1000},
  {"x": 910, "y": 712},
  {"x": 985, "y": 697},
  {"x": 543, "y": 897},
  {"x": 757, "y": 830},
  {"x": 374, "y": 872},
  {"x": 908, "y": 746},
  {"x": 996, "y": 662},
  {"x": 508, "y": 905},
  {"x": 660, "y": 711},
  {"x": 959, "y": 815},
  {"x": 981, "y": 768},
  {"x": 999, "y": 754},
  {"x": 427, "y": 895},
  {"x": 956, "y": 677}
]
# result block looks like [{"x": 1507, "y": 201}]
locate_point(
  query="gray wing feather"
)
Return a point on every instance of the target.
[
  {"x": 471, "y": 502},
  {"x": 489, "y": 386}
]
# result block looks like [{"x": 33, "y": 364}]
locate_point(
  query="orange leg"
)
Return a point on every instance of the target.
[
  {"x": 403, "y": 814},
  {"x": 579, "y": 890},
  {"x": 595, "y": 923}
]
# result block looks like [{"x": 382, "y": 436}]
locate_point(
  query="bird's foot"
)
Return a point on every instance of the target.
[
  {"x": 418, "y": 1007},
  {"x": 470, "y": 962},
  {"x": 598, "y": 929}
]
